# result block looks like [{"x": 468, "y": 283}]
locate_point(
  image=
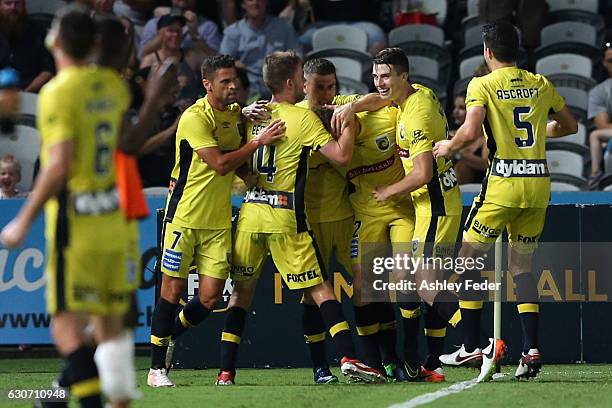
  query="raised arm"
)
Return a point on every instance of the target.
[
  {"x": 563, "y": 124},
  {"x": 466, "y": 134}
]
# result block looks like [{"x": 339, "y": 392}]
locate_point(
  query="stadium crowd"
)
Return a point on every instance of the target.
[{"x": 186, "y": 31}]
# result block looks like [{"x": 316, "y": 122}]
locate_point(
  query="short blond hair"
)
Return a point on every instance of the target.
[{"x": 280, "y": 66}]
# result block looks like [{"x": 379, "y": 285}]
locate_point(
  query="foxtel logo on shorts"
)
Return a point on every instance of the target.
[
  {"x": 276, "y": 199},
  {"x": 519, "y": 168},
  {"x": 302, "y": 277}
]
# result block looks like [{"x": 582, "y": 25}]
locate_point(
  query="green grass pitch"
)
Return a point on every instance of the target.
[{"x": 558, "y": 386}]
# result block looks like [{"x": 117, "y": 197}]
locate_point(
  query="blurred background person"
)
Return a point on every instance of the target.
[
  {"x": 10, "y": 175},
  {"x": 471, "y": 162},
  {"x": 22, "y": 46}
]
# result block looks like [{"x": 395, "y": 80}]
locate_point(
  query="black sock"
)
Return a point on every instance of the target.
[
  {"x": 314, "y": 335},
  {"x": 192, "y": 314},
  {"x": 338, "y": 327},
  {"x": 435, "y": 331},
  {"x": 235, "y": 319},
  {"x": 411, "y": 311},
  {"x": 471, "y": 302},
  {"x": 367, "y": 324},
  {"x": 84, "y": 376},
  {"x": 446, "y": 305},
  {"x": 161, "y": 331},
  {"x": 528, "y": 308},
  {"x": 387, "y": 336}
]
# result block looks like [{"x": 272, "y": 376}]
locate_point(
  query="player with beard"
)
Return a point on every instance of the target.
[
  {"x": 22, "y": 46},
  {"x": 197, "y": 224}
]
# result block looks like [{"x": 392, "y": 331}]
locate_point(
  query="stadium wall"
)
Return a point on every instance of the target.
[{"x": 571, "y": 331}]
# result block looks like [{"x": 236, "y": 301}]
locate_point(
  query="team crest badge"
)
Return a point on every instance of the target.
[
  {"x": 402, "y": 132},
  {"x": 382, "y": 142}
]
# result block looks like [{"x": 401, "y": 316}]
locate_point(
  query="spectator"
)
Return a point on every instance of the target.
[
  {"x": 243, "y": 87},
  {"x": 202, "y": 33},
  {"x": 482, "y": 69},
  {"x": 527, "y": 14},
  {"x": 22, "y": 46},
  {"x": 352, "y": 12},
  {"x": 258, "y": 34},
  {"x": 471, "y": 162},
  {"x": 600, "y": 111},
  {"x": 156, "y": 156},
  {"x": 188, "y": 61},
  {"x": 135, "y": 10},
  {"x": 10, "y": 175}
]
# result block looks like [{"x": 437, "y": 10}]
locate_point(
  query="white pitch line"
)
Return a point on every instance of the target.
[{"x": 432, "y": 396}]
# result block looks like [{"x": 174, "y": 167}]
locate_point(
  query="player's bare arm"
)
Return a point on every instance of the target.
[
  {"x": 48, "y": 183},
  {"x": 466, "y": 134},
  {"x": 563, "y": 124},
  {"x": 340, "y": 151},
  {"x": 224, "y": 163},
  {"x": 420, "y": 175},
  {"x": 367, "y": 103}
]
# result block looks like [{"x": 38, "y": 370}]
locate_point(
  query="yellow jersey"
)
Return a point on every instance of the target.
[
  {"x": 276, "y": 203},
  {"x": 420, "y": 124},
  {"x": 85, "y": 105},
  {"x": 326, "y": 188},
  {"x": 517, "y": 105},
  {"x": 376, "y": 163},
  {"x": 200, "y": 198}
]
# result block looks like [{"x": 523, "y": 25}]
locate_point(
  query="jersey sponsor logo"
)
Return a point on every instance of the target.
[
  {"x": 448, "y": 179},
  {"x": 520, "y": 93},
  {"x": 303, "y": 276},
  {"x": 275, "y": 199},
  {"x": 241, "y": 270},
  {"x": 403, "y": 153},
  {"x": 371, "y": 168},
  {"x": 172, "y": 260},
  {"x": 484, "y": 230},
  {"x": 417, "y": 136},
  {"x": 519, "y": 168},
  {"x": 95, "y": 203},
  {"x": 383, "y": 143},
  {"x": 527, "y": 240}
]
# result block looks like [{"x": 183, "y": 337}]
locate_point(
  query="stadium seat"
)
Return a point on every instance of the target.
[
  {"x": 577, "y": 101},
  {"x": 568, "y": 37},
  {"x": 584, "y": 11},
  {"x": 340, "y": 36},
  {"x": 416, "y": 32},
  {"x": 566, "y": 182},
  {"x": 585, "y": 5},
  {"x": 349, "y": 86},
  {"x": 347, "y": 67},
  {"x": 28, "y": 103},
  {"x": 606, "y": 183},
  {"x": 437, "y": 7},
  {"x": 565, "y": 162},
  {"x": 470, "y": 188},
  {"x": 560, "y": 186},
  {"x": 24, "y": 144},
  {"x": 472, "y": 37},
  {"x": 44, "y": 6},
  {"x": 423, "y": 67},
  {"x": 565, "y": 64},
  {"x": 155, "y": 191},
  {"x": 432, "y": 51},
  {"x": 578, "y": 138},
  {"x": 468, "y": 66},
  {"x": 567, "y": 70}
]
